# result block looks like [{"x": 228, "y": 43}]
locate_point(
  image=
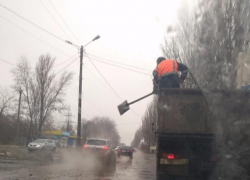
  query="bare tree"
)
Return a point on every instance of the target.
[
  {"x": 209, "y": 39},
  {"x": 102, "y": 127},
  {"x": 49, "y": 125},
  {"x": 25, "y": 79},
  {"x": 148, "y": 120},
  {"x": 43, "y": 92},
  {"x": 5, "y": 99},
  {"x": 7, "y": 127},
  {"x": 137, "y": 138},
  {"x": 171, "y": 50},
  {"x": 51, "y": 92},
  {"x": 69, "y": 127}
]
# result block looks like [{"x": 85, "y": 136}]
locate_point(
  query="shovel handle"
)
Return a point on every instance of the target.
[{"x": 140, "y": 98}]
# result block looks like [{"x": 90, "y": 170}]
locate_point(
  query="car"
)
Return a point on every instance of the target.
[
  {"x": 42, "y": 144},
  {"x": 102, "y": 149},
  {"x": 152, "y": 149},
  {"x": 125, "y": 151},
  {"x": 117, "y": 148},
  {"x": 121, "y": 144}
]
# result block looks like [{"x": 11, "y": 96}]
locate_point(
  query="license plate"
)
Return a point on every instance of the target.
[{"x": 174, "y": 161}]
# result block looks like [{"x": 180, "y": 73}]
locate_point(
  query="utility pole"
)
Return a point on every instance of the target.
[
  {"x": 80, "y": 101},
  {"x": 68, "y": 121},
  {"x": 18, "y": 113},
  {"x": 79, "y": 123},
  {"x": 84, "y": 132}
]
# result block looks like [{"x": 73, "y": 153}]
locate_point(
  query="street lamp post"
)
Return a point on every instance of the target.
[{"x": 80, "y": 94}]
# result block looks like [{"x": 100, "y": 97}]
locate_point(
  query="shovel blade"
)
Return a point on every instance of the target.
[{"x": 123, "y": 107}]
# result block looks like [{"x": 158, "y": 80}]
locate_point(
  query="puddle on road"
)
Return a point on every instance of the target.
[{"x": 76, "y": 167}]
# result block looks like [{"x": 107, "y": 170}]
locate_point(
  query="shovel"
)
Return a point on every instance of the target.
[{"x": 123, "y": 107}]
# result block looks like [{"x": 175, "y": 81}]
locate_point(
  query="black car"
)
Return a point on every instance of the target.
[
  {"x": 101, "y": 149},
  {"x": 125, "y": 151}
]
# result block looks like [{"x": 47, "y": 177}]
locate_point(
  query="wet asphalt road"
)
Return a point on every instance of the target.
[{"x": 75, "y": 167}]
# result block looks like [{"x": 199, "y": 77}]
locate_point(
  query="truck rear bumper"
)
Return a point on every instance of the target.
[
  {"x": 173, "y": 170},
  {"x": 174, "y": 161},
  {"x": 185, "y": 170}
]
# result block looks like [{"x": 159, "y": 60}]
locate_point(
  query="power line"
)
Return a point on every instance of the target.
[
  {"x": 85, "y": 115},
  {"x": 54, "y": 19},
  {"x": 7, "y": 62},
  {"x": 64, "y": 22},
  {"x": 94, "y": 75},
  {"x": 32, "y": 23},
  {"x": 104, "y": 78},
  {"x": 63, "y": 41},
  {"x": 68, "y": 121},
  {"x": 123, "y": 68},
  {"x": 135, "y": 112},
  {"x": 34, "y": 36},
  {"x": 120, "y": 67},
  {"x": 65, "y": 61},
  {"x": 67, "y": 65},
  {"x": 91, "y": 104},
  {"x": 105, "y": 86},
  {"x": 119, "y": 63},
  {"x": 109, "y": 84}
]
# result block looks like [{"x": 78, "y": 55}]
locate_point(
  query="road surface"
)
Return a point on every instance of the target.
[{"x": 76, "y": 167}]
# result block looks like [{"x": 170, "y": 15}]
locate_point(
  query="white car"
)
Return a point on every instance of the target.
[
  {"x": 103, "y": 150},
  {"x": 152, "y": 149},
  {"x": 42, "y": 144}
]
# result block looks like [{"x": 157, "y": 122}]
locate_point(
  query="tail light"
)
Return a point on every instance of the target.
[
  {"x": 168, "y": 156},
  {"x": 128, "y": 151},
  {"x": 85, "y": 146},
  {"x": 213, "y": 159},
  {"x": 105, "y": 147}
]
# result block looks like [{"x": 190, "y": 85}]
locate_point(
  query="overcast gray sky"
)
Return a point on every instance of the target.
[{"x": 131, "y": 33}]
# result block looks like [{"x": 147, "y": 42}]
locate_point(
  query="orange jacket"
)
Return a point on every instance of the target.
[{"x": 166, "y": 67}]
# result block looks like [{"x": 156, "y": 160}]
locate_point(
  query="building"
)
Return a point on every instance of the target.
[
  {"x": 72, "y": 141},
  {"x": 60, "y": 137}
]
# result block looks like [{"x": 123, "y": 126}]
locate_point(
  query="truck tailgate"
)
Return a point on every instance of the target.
[{"x": 186, "y": 154}]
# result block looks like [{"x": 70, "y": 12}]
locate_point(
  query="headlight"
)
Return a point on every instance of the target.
[{"x": 38, "y": 145}]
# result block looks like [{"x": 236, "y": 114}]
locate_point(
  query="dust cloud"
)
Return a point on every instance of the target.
[{"x": 73, "y": 163}]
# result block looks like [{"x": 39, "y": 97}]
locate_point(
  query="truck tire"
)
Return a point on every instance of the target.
[{"x": 131, "y": 156}]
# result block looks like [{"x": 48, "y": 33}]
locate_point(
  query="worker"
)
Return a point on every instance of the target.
[{"x": 166, "y": 74}]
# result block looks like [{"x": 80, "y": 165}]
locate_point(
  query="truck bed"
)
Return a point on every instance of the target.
[
  {"x": 194, "y": 130},
  {"x": 183, "y": 111}
]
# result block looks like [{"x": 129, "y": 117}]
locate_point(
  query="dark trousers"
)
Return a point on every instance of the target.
[{"x": 169, "y": 81}]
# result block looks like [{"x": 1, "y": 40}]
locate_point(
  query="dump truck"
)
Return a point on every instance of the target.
[
  {"x": 201, "y": 134},
  {"x": 191, "y": 127}
]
